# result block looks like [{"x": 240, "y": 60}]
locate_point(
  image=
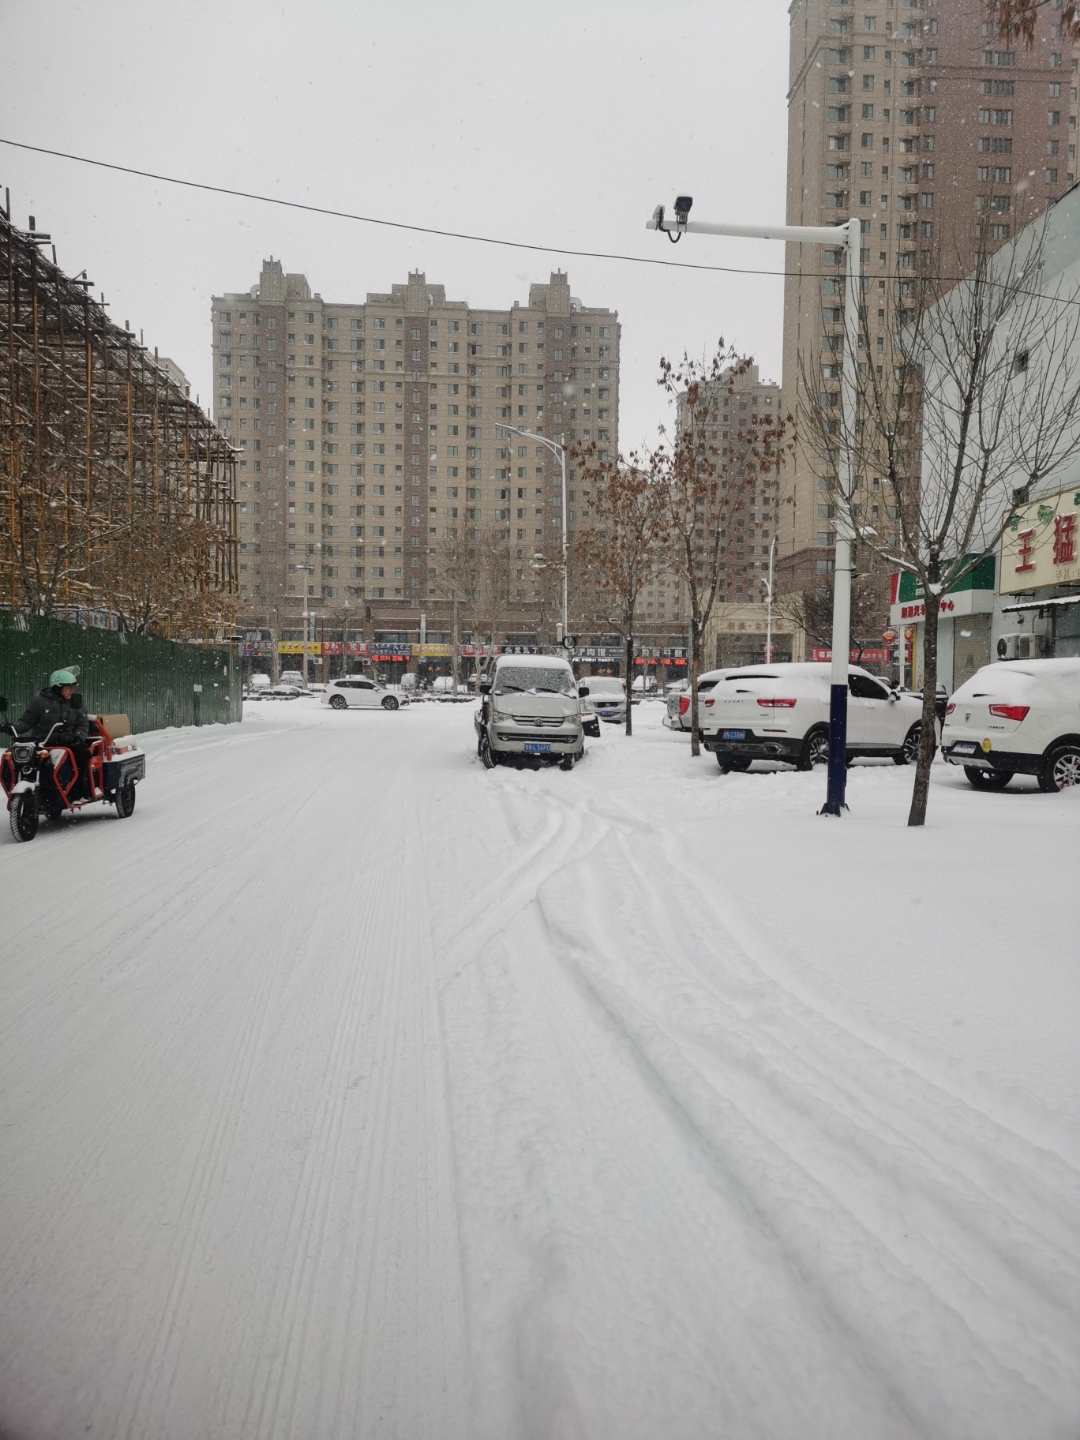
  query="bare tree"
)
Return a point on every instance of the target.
[
  {"x": 457, "y": 561},
  {"x": 811, "y": 611},
  {"x": 975, "y": 403},
  {"x": 1019, "y": 17},
  {"x": 709, "y": 481},
  {"x": 625, "y": 547}
]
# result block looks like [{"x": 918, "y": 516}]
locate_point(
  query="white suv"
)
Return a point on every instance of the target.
[
  {"x": 781, "y": 712},
  {"x": 1016, "y": 717}
]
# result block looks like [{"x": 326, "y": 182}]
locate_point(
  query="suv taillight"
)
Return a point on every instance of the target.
[
  {"x": 780, "y": 704},
  {"x": 1010, "y": 712},
  {"x": 684, "y": 704},
  {"x": 950, "y": 707}
]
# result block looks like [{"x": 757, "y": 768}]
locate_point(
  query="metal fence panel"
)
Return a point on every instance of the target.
[{"x": 153, "y": 682}]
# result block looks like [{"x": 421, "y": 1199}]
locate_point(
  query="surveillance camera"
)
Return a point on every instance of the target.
[{"x": 682, "y": 208}]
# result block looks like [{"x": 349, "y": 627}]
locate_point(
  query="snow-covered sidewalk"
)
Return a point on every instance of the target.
[{"x": 352, "y": 1090}]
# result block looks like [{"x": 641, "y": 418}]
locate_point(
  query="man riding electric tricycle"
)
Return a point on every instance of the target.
[{"x": 60, "y": 758}]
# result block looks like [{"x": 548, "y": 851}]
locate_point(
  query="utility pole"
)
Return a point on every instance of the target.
[{"x": 847, "y": 238}]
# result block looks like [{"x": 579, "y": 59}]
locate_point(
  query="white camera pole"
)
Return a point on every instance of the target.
[{"x": 847, "y": 237}]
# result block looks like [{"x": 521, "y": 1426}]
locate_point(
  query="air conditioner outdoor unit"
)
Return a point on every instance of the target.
[{"x": 1021, "y": 646}]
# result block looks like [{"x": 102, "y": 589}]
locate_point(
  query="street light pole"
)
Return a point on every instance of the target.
[
  {"x": 344, "y": 637},
  {"x": 847, "y": 237},
  {"x": 560, "y": 451}
]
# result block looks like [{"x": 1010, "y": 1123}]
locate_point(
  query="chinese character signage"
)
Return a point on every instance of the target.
[{"x": 1041, "y": 544}]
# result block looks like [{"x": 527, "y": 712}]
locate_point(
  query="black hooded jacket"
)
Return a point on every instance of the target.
[{"x": 49, "y": 708}]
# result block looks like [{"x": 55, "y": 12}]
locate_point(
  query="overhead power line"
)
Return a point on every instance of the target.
[
  {"x": 464, "y": 235},
  {"x": 396, "y": 224}
]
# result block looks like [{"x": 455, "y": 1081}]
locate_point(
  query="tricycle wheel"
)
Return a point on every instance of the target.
[
  {"x": 125, "y": 799},
  {"x": 24, "y": 816}
]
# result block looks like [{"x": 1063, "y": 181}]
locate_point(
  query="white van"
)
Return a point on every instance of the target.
[{"x": 529, "y": 712}]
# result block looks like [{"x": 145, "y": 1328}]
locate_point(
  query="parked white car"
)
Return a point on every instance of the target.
[
  {"x": 606, "y": 696},
  {"x": 781, "y": 712},
  {"x": 1016, "y": 717},
  {"x": 292, "y": 677},
  {"x": 357, "y": 691},
  {"x": 678, "y": 715}
]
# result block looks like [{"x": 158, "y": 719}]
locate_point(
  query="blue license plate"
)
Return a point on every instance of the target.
[
  {"x": 733, "y": 735},
  {"x": 532, "y": 748},
  {"x": 967, "y": 748}
]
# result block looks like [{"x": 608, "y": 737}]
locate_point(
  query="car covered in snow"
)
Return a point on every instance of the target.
[
  {"x": 781, "y": 712},
  {"x": 283, "y": 691},
  {"x": 606, "y": 696},
  {"x": 1016, "y": 717},
  {"x": 529, "y": 712},
  {"x": 677, "y": 700},
  {"x": 357, "y": 692}
]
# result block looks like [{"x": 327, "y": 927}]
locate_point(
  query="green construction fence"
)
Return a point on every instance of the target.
[{"x": 153, "y": 682}]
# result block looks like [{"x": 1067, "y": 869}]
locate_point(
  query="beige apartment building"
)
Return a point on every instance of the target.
[
  {"x": 368, "y": 435},
  {"x": 915, "y": 116}
]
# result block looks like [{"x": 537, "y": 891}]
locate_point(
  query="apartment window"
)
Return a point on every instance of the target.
[
  {"x": 1051, "y": 177},
  {"x": 999, "y": 232},
  {"x": 1054, "y": 90},
  {"x": 867, "y": 84},
  {"x": 1051, "y": 147},
  {"x": 867, "y": 142},
  {"x": 866, "y": 167},
  {"x": 866, "y": 197},
  {"x": 869, "y": 23},
  {"x": 868, "y": 112}
]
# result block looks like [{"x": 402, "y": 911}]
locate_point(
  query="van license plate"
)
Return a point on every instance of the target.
[
  {"x": 733, "y": 735},
  {"x": 532, "y": 748},
  {"x": 967, "y": 748}
]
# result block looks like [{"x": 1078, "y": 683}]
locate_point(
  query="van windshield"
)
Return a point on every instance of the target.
[{"x": 533, "y": 678}]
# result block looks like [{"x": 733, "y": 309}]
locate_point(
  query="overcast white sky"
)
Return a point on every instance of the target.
[{"x": 557, "y": 123}]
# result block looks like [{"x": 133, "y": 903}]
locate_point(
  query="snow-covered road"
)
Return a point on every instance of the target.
[{"x": 349, "y": 1090}]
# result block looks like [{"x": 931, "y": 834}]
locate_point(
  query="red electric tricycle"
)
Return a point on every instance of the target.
[{"x": 38, "y": 778}]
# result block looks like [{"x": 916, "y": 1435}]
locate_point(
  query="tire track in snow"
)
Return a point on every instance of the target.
[{"x": 775, "y": 1133}]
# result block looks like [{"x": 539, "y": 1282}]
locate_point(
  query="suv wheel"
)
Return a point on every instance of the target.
[
  {"x": 909, "y": 751},
  {"x": 987, "y": 779},
  {"x": 338, "y": 702},
  {"x": 389, "y": 702},
  {"x": 815, "y": 749},
  {"x": 1062, "y": 768}
]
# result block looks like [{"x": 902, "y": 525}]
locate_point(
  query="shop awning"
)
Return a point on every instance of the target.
[{"x": 1042, "y": 604}]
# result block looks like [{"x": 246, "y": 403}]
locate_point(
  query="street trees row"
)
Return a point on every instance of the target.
[{"x": 672, "y": 510}]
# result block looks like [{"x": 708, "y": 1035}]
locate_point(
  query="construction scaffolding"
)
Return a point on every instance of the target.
[{"x": 117, "y": 494}]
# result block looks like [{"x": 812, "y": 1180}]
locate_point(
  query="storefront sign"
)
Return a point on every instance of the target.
[
  {"x": 354, "y": 647},
  {"x": 297, "y": 647},
  {"x": 858, "y": 657},
  {"x": 973, "y": 594},
  {"x": 431, "y": 652},
  {"x": 1041, "y": 544}
]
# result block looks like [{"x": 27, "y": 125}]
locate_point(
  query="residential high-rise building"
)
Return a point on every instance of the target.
[
  {"x": 917, "y": 117},
  {"x": 367, "y": 435}
]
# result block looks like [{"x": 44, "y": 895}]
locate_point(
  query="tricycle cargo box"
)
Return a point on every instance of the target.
[{"x": 118, "y": 772}]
